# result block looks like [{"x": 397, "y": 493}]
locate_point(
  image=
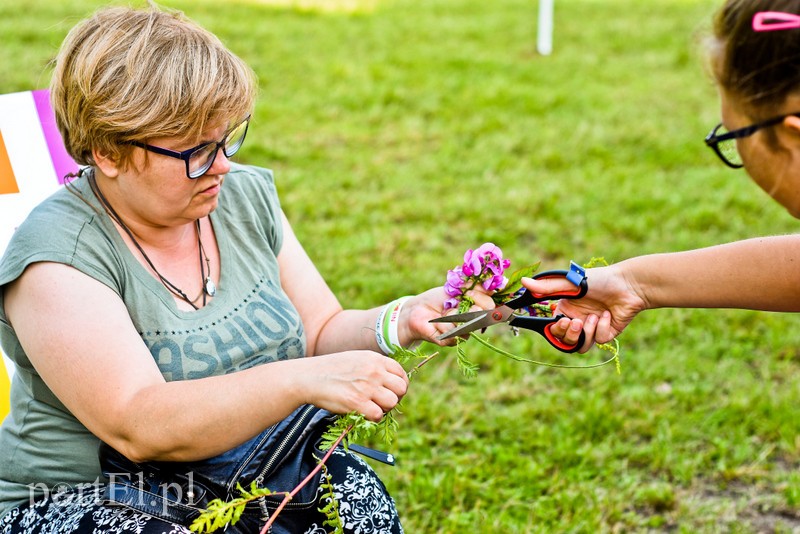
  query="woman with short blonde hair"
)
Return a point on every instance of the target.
[{"x": 161, "y": 309}]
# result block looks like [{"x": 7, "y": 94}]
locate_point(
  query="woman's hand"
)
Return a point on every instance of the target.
[
  {"x": 417, "y": 311},
  {"x": 358, "y": 380},
  {"x": 608, "y": 307}
]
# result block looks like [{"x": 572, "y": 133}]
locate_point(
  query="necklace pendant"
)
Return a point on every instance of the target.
[{"x": 209, "y": 287}]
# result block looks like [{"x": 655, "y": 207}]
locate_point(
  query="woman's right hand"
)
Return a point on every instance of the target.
[
  {"x": 358, "y": 380},
  {"x": 610, "y": 304}
]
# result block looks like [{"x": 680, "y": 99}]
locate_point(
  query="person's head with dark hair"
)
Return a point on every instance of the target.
[
  {"x": 760, "y": 66},
  {"x": 754, "y": 55}
]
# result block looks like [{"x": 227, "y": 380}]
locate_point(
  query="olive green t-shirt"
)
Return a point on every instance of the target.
[{"x": 250, "y": 321}]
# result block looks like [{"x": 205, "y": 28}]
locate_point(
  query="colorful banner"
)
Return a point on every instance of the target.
[
  {"x": 33, "y": 163},
  {"x": 5, "y": 388},
  {"x": 62, "y": 162}
]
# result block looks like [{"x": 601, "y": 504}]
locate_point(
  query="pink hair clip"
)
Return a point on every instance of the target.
[{"x": 767, "y": 21}]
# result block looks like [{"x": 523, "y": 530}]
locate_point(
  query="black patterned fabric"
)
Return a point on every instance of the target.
[{"x": 365, "y": 507}]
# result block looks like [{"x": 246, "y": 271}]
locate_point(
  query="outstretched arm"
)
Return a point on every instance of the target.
[{"x": 758, "y": 274}]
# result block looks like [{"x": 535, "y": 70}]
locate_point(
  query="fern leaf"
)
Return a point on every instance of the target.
[
  {"x": 330, "y": 506},
  {"x": 468, "y": 369}
]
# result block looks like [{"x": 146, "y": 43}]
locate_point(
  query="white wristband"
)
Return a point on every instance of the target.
[
  {"x": 380, "y": 339},
  {"x": 394, "y": 322},
  {"x": 386, "y": 326}
]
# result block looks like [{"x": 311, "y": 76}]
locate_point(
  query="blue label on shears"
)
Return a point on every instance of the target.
[{"x": 576, "y": 273}]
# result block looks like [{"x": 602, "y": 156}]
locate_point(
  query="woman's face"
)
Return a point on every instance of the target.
[
  {"x": 155, "y": 188},
  {"x": 771, "y": 158}
]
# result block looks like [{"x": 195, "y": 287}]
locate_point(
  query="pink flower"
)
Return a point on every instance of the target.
[
  {"x": 451, "y": 303},
  {"x": 495, "y": 282},
  {"x": 484, "y": 265},
  {"x": 491, "y": 257},
  {"x": 454, "y": 287},
  {"x": 472, "y": 263}
]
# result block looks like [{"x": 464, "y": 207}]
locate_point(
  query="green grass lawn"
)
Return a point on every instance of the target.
[{"x": 406, "y": 131}]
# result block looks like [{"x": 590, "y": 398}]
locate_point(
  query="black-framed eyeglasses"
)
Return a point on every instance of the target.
[
  {"x": 200, "y": 158},
  {"x": 723, "y": 142}
]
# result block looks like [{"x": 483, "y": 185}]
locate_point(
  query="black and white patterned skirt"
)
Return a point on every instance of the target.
[{"x": 365, "y": 507}]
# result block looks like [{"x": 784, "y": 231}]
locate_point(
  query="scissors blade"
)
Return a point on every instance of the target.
[
  {"x": 501, "y": 314},
  {"x": 469, "y": 326},
  {"x": 458, "y": 317}
]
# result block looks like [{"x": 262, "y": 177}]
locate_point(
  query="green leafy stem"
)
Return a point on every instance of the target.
[
  {"x": 613, "y": 349},
  {"x": 219, "y": 513},
  {"x": 347, "y": 428}
]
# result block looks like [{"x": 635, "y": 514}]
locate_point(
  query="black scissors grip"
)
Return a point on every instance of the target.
[
  {"x": 542, "y": 325},
  {"x": 527, "y": 297}
]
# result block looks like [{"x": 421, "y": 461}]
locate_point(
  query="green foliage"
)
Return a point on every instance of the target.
[
  {"x": 353, "y": 425},
  {"x": 514, "y": 282},
  {"x": 595, "y": 261},
  {"x": 357, "y": 428},
  {"x": 468, "y": 369},
  {"x": 219, "y": 514},
  {"x": 405, "y": 355},
  {"x": 613, "y": 348},
  {"x": 330, "y": 505},
  {"x": 465, "y": 303}
]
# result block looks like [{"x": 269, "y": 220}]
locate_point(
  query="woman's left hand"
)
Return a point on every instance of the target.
[{"x": 417, "y": 311}]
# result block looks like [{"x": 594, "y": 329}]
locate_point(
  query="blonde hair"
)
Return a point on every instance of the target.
[{"x": 125, "y": 74}]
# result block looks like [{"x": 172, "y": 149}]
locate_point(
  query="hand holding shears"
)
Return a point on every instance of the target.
[{"x": 507, "y": 313}]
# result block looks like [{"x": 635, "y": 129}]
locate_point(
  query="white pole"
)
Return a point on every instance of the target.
[{"x": 544, "y": 37}]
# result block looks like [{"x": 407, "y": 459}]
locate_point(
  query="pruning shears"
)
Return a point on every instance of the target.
[{"x": 508, "y": 313}]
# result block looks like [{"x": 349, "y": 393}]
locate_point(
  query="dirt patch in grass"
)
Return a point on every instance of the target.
[{"x": 757, "y": 507}]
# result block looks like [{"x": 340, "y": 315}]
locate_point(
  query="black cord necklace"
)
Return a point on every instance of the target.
[{"x": 209, "y": 289}]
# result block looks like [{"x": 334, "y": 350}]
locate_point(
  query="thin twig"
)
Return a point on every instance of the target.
[
  {"x": 485, "y": 343},
  {"x": 289, "y": 495},
  {"x": 420, "y": 364}
]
